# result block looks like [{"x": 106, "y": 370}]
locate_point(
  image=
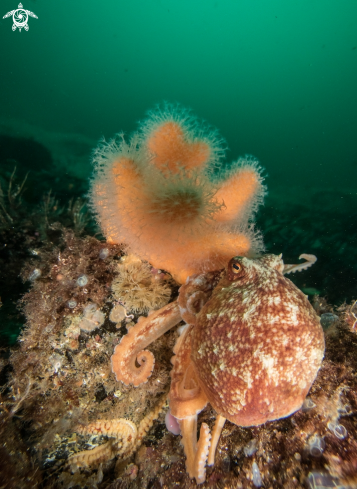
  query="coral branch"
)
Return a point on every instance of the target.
[
  {"x": 239, "y": 191},
  {"x": 166, "y": 196},
  {"x": 171, "y": 152}
]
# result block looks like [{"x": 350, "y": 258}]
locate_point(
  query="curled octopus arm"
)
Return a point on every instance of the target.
[
  {"x": 310, "y": 260},
  {"x": 131, "y": 349}
]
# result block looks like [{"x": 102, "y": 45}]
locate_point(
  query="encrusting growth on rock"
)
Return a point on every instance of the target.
[{"x": 61, "y": 382}]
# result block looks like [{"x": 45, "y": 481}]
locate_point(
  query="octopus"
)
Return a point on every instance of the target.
[{"x": 251, "y": 347}]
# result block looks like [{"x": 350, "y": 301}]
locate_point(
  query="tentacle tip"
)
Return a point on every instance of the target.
[{"x": 129, "y": 373}]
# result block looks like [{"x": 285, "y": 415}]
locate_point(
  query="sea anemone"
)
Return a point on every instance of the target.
[{"x": 137, "y": 287}]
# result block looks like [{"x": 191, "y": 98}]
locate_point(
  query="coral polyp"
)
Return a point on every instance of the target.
[{"x": 168, "y": 198}]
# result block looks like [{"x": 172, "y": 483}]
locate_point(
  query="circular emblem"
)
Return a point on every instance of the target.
[{"x": 20, "y": 18}]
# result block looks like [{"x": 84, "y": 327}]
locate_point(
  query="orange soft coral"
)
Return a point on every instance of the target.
[{"x": 167, "y": 198}]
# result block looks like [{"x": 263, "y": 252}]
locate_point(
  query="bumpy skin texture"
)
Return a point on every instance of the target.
[{"x": 257, "y": 343}]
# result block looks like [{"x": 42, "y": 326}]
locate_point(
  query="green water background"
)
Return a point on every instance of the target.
[{"x": 277, "y": 78}]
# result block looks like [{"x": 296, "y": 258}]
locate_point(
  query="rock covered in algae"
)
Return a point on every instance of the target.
[{"x": 61, "y": 375}]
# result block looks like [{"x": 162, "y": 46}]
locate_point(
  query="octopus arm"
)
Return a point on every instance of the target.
[
  {"x": 196, "y": 451},
  {"x": 186, "y": 396},
  {"x": 125, "y": 438},
  {"x": 217, "y": 430},
  {"x": 123, "y": 434},
  {"x": 131, "y": 348},
  {"x": 310, "y": 260}
]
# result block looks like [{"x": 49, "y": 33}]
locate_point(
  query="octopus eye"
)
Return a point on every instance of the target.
[{"x": 236, "y": 268}]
